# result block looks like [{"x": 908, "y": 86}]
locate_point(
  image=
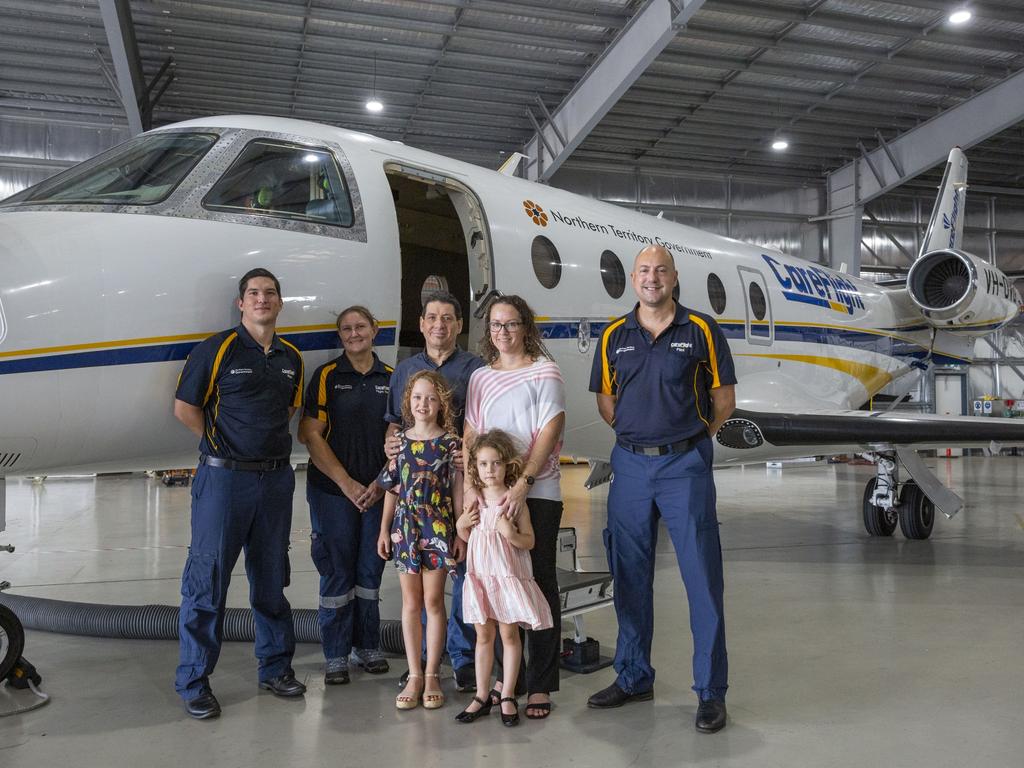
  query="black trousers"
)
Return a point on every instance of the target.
[{"x": 543, "y": 648}]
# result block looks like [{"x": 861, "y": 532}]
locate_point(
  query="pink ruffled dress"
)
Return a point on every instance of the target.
[{"x": 499, "y": 581}]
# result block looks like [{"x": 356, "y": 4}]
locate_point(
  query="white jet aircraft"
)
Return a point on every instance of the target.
[{"x": 111, "y": 271}]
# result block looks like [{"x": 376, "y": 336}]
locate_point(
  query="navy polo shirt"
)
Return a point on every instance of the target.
[
  {"x": 352, "y": 405},
  {"x": 245, "y": 394},
  {"x": 456, "y": 370},
  {"x": 661, "y": 386}
]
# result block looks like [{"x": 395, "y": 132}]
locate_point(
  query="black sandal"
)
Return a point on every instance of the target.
[
  {"x": 465, "y": 716},
  {"x": 494, "y": 696},
  {"x": 512, "y": 719},
  {"x": 543, "y": 706}
]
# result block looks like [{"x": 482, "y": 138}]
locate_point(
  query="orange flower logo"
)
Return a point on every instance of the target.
[{"x": 536, "y": 213}]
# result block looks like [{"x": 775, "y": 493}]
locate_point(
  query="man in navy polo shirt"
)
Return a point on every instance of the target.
[
  {"x": 237, "y": 393},
  {"x": 441, "y": 324},
  {"x": 664, "y": 380}
]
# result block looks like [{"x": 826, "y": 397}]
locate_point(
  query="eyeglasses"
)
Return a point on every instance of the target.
[{"x": 511, "y": 326}]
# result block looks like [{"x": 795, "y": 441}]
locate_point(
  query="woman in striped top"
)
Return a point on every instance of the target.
[{"x": 521, "y": 391}]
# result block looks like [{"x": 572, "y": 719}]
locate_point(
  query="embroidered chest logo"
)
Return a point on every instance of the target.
[
  {"x": 288, "y": 372},
  {"x": 382, "y": 389},
  {"x": 237, "y": 371},
  {"x": 343, "y": 387},
  {"x": 620, "y": 350},
  {"x": 681, "y": 346}
]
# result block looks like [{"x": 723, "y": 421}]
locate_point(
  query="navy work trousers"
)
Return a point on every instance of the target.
[
  {"x": 234, "y": 510},
  {"x": 344, "y": 550},
  {"x": 679, "y": 488}
]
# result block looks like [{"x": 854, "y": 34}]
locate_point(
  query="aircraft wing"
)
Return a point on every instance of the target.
[{"x": 851, "y": 431}]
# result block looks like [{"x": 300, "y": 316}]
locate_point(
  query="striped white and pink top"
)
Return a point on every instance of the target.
[{"x": 521, "y": 402}]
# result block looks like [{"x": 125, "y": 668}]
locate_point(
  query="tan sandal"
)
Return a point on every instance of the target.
[
  {"x": 434, "y": 699},
  {"x": 404, "y": 700}
]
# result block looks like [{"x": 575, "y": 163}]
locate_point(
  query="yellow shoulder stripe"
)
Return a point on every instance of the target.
[
  {"x": 297, "y": 401},
  {"x": 606, "y": 374},
  {"x": 321, "y": 396},
  {"x": 712, "y": 357},
  {"x": 216, "y": 364}
]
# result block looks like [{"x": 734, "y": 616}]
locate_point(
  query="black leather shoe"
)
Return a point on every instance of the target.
[
  {"x": 465, "y": 716},
  {"x": 204, "y": 706},
  {"x": 465, "y": 679},
  {"x": 613, "y": 696},
  {"x": 284, "y": 685},
  {"x": 710, "y": 716}
]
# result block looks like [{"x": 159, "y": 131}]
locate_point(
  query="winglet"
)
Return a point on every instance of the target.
[
  {"x": 946, "y": 225},
  {"x": 508, "y": 168}
]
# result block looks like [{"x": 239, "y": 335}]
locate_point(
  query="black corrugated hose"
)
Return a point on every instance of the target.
[{"x": 160, "y": 622}]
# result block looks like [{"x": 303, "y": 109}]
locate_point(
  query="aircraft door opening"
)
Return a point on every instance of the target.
[
  {"x": 445, "y": 246},
  {"x": 760, "y": 325}
]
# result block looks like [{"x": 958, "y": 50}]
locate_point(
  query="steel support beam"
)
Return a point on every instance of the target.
[
  {"x": 618, "y": 67},
  {"x": 921, "y": 148},
  {"x": 124, "y": 50}
]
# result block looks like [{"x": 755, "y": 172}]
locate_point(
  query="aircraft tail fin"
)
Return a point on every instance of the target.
[
  {"x": 946, "y": 225},
  {"x": 508, "y": 168}
]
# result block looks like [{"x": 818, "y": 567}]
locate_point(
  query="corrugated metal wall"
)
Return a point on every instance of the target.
[{"x": 35, "y": 148}]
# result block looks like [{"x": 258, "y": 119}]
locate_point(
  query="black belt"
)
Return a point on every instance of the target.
[
  {"x": 660, "y": 450},
  {"x": 248, "y": 466}
]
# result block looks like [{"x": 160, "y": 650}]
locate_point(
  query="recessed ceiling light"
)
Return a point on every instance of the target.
[
  {"x": 374, "y": 105},
  {"x": 780, "y": 144},
  {"x": 960, "y": 17}
]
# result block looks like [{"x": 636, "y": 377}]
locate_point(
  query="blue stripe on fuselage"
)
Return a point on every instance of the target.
[{"x": 163, "y": 353}]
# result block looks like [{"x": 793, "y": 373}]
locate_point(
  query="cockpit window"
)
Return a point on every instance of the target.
[
  {"x": 143, "y": 171},
  {"x": 284, "y": 180}
]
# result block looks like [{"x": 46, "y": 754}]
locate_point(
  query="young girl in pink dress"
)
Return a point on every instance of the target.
[{"x": 499, "y": 593}]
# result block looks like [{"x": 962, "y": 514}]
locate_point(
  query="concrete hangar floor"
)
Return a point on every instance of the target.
[{"x": 844, "y": 650}]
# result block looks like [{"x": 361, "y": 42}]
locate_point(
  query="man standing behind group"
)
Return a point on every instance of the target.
[
  {"x": 441, "y": 324},
  {"x": 237, "y": 393},
  {"x": 664, "y": 380}
]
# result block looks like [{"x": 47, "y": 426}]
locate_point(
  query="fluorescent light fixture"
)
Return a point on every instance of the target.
[
  {"x": 374, "y": 105},
  {"x": 780, "y": 144},
  {"x": 960, "y": 17}
]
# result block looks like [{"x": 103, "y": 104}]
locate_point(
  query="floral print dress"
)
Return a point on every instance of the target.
[{"x": 424, "y": 524}]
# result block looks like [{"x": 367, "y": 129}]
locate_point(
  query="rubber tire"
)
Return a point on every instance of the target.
[
  {"x": 13, "y": 643},
  {"x": 917, "y": 512},
  {"x": 876, "y": 521}
]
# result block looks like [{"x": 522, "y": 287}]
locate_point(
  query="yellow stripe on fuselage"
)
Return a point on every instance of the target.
[
  {"x": 146, "y": 340},
  {"x": 872, "y": 377}
]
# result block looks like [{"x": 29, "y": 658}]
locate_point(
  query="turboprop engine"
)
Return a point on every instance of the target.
[{"x": 959, "y": 292}]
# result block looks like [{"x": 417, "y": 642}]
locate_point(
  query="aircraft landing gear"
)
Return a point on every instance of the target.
[
  {"x": 887, "y": 502},
  {"x": 916, "y": 511},
  {"x": 877, "y": 520}
]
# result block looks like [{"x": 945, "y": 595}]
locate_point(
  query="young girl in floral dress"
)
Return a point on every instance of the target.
[{"x": 418, "y": 525}]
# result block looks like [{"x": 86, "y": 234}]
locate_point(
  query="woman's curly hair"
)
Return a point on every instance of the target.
[
  {"x": 446, "y": 412},
  {"x": 502, "y": 444},
  {"x": 531, "y": 333}
]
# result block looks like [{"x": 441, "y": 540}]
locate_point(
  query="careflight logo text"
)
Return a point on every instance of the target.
[{"x": 812, "y": 285}]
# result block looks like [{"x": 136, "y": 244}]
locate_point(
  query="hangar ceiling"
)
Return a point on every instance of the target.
[{"x": 469, "y": 77}]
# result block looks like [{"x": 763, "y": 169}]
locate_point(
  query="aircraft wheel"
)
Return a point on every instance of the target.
[
  {"x": 12, "y": 640},
  {"x": 877, "y": 521},
  {"x": 917, "y": 512}
]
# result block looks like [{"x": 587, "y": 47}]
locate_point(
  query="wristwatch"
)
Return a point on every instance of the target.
[{"x": 530, "y": 479}]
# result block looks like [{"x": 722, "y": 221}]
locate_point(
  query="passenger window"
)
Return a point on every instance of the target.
[
  {"x": 284, "y": 180},
  {"x": 143, "y": 171},
  {"x": 547, "y": 264},
  {"x": 716, "y": 293},
  {"x": 612, "y": 274},
  {"x": 758, "y": 304}
]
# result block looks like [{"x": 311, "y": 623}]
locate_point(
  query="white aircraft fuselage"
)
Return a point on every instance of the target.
[{"x": 100, "y": 304}]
